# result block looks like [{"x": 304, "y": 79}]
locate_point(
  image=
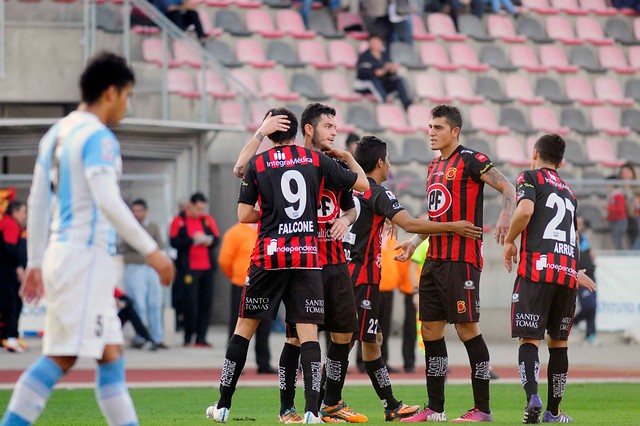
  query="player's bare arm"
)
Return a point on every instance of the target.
[
  {"x": 521, "y": 218},
  {"x": 31, "y": 289},
  {"x": 163, "y": 265},
  {"x": 340, "y": 225},
  {"x": 270, "y": 125},
  {"x": 585, "y": 282},
  {"x": 247, "y": 213},
  {"x": 463, "y": 228},
  {"x": 496, "y": 180},
  {"x": 361, "y": 184}
]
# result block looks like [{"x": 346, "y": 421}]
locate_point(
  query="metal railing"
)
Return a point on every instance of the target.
[{"x": 2, "y": 39}]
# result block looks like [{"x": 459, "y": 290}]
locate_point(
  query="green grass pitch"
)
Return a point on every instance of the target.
[{"x": 589, "y": 404}]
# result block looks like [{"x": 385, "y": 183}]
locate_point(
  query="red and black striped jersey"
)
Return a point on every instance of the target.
[
  {"x": 363, "y": 242},
  {"x": 286, "y": 182},
  {"x": 548, "y": 250},
  {"x": 454, "y": 192}
]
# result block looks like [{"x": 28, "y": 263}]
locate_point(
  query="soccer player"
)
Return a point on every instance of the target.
[
  {"x": 74, "y": 200},
  {"x": 363, "y": 249},
  {"x": 286, "y": 182},
  {"x": 450, "y": 279},
  {"x": 544, "y": 293}
]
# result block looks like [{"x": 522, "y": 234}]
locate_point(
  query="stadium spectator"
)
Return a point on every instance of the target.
[
  {"x": 588, "y": 299},
  {"x": 378, "y": 75},
  {"x": 183, "y": 14},
  {"x": 305, "y": 10},
  {"x": 142, "y": 283},
  {"x": 617, "y": 214},
  {"x": 496, "y": 5},
  {"x": 377, "y": 18},
  {"x": 628, "y": 172},
  {"x": 626, "y": 4},
  {"x": 234, "y": 259},
  {"x": 194, "y": 234},
  {"x": 126, "y": 312},
  {"x": 400, "y": 18}
]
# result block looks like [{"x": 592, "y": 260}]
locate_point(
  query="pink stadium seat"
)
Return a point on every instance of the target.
[
  {"x": 544, "y": 119},
  {"x": 600, "y": 151},
  {"x": 207, "y": 27},
  {"x": 335, "y": 85},
  {"x": 290, "y": 22},
  {"x": 559, "y": 28},
  {"x": 519, "y": 87},
  {"x": 419, "y": 30},
  {"x": 418, "y": 116},
  {"x": 636, "y": 27},
  {"x": 245, "y": 78},
  {"x": 553, "y": 56},
  {"x": 257, "y": 110},
  {"x": 217, "y": 3},
  {"x": 589, "y": 29},
  {"x": 606, "y": 120},
  {"x": 481, "y": 117},
  {"x": 613, "y": 57},
  {"x": 273, "y": 83},
  {"x": 465, "y": 55},
  {"x": 579, "y": 89},
  {"x": 230, "y": 113},
  {"x": 634, "y": 57},
  {"x": 312, "y": 52},
  {"x": 441, "y": 25},
  {"x": 392, "y": 117},
  {"x": 500, "y": 26},
  {"x": 570, "y": 7},
  {"x": 250, "y": 52},
  {"x": 185, "y": 54},
  {"x": 599, "y": 7},
  {"x": 342, "y": 125},
  {"x": 539, "y": 6},
  {"x": 341, "y": 52},
  {"x": 531, "y": 141},
  {"x": 429, "y": 86},
  {"x": 247, "y": 4},
  {"x": 259, "y": 21},
  {"x": 523, "y": 56},
  {"x": 216, "y": 87},
  {"x": 458, "y": 87},
  {"x": 348, "y": 19},
  {"x": 608, "y": 90},
  {"x": 510, "y": 150},
  {"x": 179, "y": 82},
  {"x": 152, "y": 52},
  {"x": 435, "y": 55}
]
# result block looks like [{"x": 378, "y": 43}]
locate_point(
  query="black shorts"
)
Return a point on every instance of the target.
[
  {"x": 339, "y": 301},
  {"x": 368, "y": 305},
  {"x": 539, "y": 306},
  {"x": 299, "y": 289},
  {"x": 449, "y": 291}
]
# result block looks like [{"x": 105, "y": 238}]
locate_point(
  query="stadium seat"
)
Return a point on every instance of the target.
[
  {"x": 598, "y": 7},
  {"x": 186, "y": 54},
  {"x": 257, "y": 112},
  {"x": 312, "y": 52},
  {"x": 415, "y": 149},
  {"x": 559, "y": 28},
  {"x": 553, "y": 57},
  {"x": 636, "y": 27},
  {"x": 606, "y": 120},
  {"x": 519, "y": 88},
  {"x": 418, "y": 116},
  {"x": 532, "y": 30},
  {"x": 514, "y": 119},
  {"x": 634, "y": 57},
  {"x": 495, "y": 57},
  {"x": 273, "y": 83},
  {"x": 540, "y": 7},
  {"x": 619, "y": 30},
  {"x": 223, "y": 52},
  {"x": 490, "y": 88},
  {"x": 364, "y": 118},
  {"x": 335, "y": 84},
  {"x": 179, "y": 82},
  {"x": 629, "y": 150},
  {"x": 207, "y": 27},
  {"x": 631, "y": 119},
  {"x": 308, "y": 86},
  {"x": 296, "y": 109},
  {"x": 598, "y": 190},
  {"x": 392, "y": 117},
  {"x": 481, "y": 145},
  {"x": 282, "y": 53},
  {"x": 544, "y": 119},
  {"x": 277, "y": 4},
  {"x": 250, "y": 52},
  {"x": 230, "y": 113},
  {"x": 464, "y": 55},
  {"x": 247, "y": 4},
  {"x": 245, "y": 78},
  {"x": 108, "y": 20},
  {"x": 429, "y": 86},
  {"x": 578, "y": 89},
  {"x": 353, "y": 25},
  {"x": 395, "y": 156},
  {"x": 216, "y": 86},
  {"x": 592, "y": 214},
  {"x": 473, "y": 27},
  {"x": 575, "y": 155},
  {"x": 435, "y": 55},
  {"x": 152, "y": 52},
  {"x": 231, "y": 23},
  {"x": 323, "y": 23},
  {"x": 600, "y": 151},
  {"x": 613, "y": 57},
  {"x": 458, "y": 87},
  {"x": 574, "y": 119},
  {"x": 524, "y": 57},
  {"x": 420, "y": 32},
  {"x": 632, "y": 89},
  {"x": 441, "y": 25},
  {"x": 570, "y": 7},
  {"x": 589, "y": 29},
  {"x": 584, "y": 58},
  {"x": 342, "y": 53},
  {"x": 550, "y": 89},
  {"x": 510, "y": 150},
  {"x": 290, "y": 23},
  {"x": 608, "y": 90},
  {"x": 410, "y": 183},
  {"x": 259, "y": 21},
  {"x": 481, "y": 117},
  {"x": 341, "y": 123},
  {"x": 216, "y": 3},
  {"x": 501, "y": 27},
  {"x": 404, "y": 54}
]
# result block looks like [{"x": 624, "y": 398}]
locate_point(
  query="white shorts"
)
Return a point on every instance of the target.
[{"x": 81, "y": 315}]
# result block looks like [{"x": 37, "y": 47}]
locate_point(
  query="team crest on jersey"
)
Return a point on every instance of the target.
[
  {"x": 328, "y": 208},
  {"x": 366, "y": 304},
  {"x": 279, "y": 156},
  {"x": 462, "y": 306},
  {"x": 468, "y": 285},
  {"x": 451, "y": 173},
  {"x": 438, "y": 199}
]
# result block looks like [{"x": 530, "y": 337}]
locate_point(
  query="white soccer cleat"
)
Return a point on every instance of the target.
[
  {"x": 220, "y": 415},
  {"x": 310, "y": 418}
]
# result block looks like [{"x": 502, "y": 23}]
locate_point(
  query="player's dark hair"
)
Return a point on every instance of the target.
[
  {"x": 369, "y": 150},
  {"x": 198, "y": 197},
  {"x": 139, "y": 202},
  {"x": 14, "y": 206},
  {"x": 103, "y": 71},
  {"x": 450, "y": 113},
  {"x": 313, "y": 113},
  {"x": 280, "y": 137},
  {"x": 551, "y": 148},
  {"x": 351, "y": 139}
]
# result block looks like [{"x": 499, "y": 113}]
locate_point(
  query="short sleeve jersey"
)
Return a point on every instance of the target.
[
  {"x": 286, "y": 182},
  {"x": 454, "y": 192},
  {"x": 548, "y": 251},
  {"x": 363, "y": 243}
]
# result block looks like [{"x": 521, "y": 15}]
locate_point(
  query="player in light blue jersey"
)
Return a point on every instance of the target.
[{"x": 74, "y": 202}]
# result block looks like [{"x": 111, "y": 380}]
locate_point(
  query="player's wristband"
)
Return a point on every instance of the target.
[
  {"x": 259, "y": 136},
  {"x": 416, "y": 241}
]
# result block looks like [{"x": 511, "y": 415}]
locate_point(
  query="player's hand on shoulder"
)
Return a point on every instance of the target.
[
  {"x": 406, "y": 253},
  {"x": 274, "y": 123},
  {"x": 163, "y": 265},
  {"x": 467, "y": 229},
  {"x": 32, "y": 288},
  {"x": 585, "y": 282},
  {"x": 338, "y": 153},
  {"x": 510, "y": 255}
]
